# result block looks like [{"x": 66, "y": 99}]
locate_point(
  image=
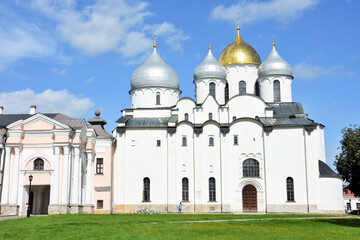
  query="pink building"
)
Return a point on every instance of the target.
[{"x": 69, "y": 159}]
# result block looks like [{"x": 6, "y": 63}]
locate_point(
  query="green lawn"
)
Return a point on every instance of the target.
[{"x": 268, "y": 226}]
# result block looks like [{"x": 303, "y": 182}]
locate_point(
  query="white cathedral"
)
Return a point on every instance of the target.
[{"x": 242, "y": 146}]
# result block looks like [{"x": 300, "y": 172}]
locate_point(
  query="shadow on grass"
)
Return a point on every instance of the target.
[{"x": 342, "y": 222}]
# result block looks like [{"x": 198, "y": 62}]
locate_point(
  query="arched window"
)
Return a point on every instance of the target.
[
  {"x": 234, "y": 118},
  {"x": 276, "y": 91},
  {"x": 236, "y": 140},
  {"x": 157, "y": 98},
  {"x": 184, "y": 142},
  {"x": 39, "y": 164},
  {"x": 226, "y": 92},
  {"x": 146, "y": 190},
  {"x": 210, "y": 116},
  {"x": 251, "y": 168},
  {"x": 290, "y": 189},
  {"x": 185, "y": 189},
  {"x": 211, "y": 141},
  {"x": 212, "y": 89},
  {"x": 242, "y": 87},
  {"x": 257, "y": 89},
  {"x": 212, "y": 190},
  {"x": 186, "y": 117}
]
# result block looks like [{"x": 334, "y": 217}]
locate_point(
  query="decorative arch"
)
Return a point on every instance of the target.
[{"x": 34, "y": 156}]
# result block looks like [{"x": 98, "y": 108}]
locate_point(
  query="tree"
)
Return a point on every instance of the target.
[{"x": 348, "y": 161}]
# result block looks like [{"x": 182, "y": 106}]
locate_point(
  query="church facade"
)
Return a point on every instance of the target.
[{"x": 241, "y": 146}]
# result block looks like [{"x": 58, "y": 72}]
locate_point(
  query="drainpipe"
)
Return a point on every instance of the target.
[
  {"x": 264, "y": 160},
  {"x": 221, "y": 179}
]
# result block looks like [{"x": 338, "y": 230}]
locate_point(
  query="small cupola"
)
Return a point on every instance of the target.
[
  {"x": 210, "y": 68},
  {"x": 97, "y": 120},
  {"x": 274, "y": 65}
]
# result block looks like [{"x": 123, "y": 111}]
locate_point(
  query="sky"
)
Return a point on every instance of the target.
[{"x": 75, "y": 57}]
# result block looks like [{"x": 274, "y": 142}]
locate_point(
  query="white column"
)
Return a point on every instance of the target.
[
  {"x": 6, "y": 182},
  {"x": 15, "y": 177},
  {"x": 76, "y": 180},
  {"x": 89, "y": 179},
  {"x": 55, "y": 183},
  {"x": 66, "y": 176},
  {"x": 21, "y": 193}
]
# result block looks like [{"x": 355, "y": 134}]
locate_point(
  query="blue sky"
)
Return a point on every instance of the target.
[{"x": 77, "y": 56}]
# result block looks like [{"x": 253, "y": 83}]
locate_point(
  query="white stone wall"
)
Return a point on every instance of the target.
[
  {"x": 202, "y": 90},
  {"x": 266, "y": 85},
  {"x": 146, "y": 97},
  {"x": 243, "y": 72}
]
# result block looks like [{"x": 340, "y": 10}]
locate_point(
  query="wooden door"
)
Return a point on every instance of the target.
[{"x": 249, "y": 196}]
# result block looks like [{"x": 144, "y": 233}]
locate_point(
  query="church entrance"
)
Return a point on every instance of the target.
[
  {"x": 39, "y": 199},
  {"x": 249, "y": 197}
]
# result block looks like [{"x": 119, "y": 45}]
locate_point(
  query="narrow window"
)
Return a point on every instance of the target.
[
  {"x": 210, "y": 116},
  {"x": 38, "y": 164},
  {"x": 290, "y": 189},
  {"x": 99, "y": 166},
  {"x": 234, "y": 118},
  {"x": 211, "y": 141},
  {"x": 184, "y": 142},
  {"x": 251, "y": 168},
  {"x": 242, "y": 87},
  {"x": 257, "y": 89},
  {"x": 276, "y": 91},
  {"x": 100, "y": 204},
  {"x": 157, "y": 98},
  {"x": 226, "y": 92},
  {"x": 212, "y": 190},
  {"x": 158, "y": 143},
  {"x": 186, "y": 117},
  {"x": 185, "y": 189},
  {"x": 236, "y": 140},
  {"x": 146, "y": 191},
  {"x": 212, "y": 89}
]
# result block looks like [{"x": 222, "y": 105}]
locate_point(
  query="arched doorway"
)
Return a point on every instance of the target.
[{"x": 249, "y": 197}]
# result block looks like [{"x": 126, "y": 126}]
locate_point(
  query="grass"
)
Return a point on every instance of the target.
[{"x": 279, "y": 226}]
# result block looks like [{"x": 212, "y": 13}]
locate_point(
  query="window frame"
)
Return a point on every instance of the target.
[
  {"x": 257, "y": 89},
  {"x": 277, "y": 91},
  {"x": 100, "y": 204},
  {"x": 38, "y": 164},
  {"x": 251, "y": 168},
  {"x": 210, "y": 116},
  {"x": 236, "y": 140},
  {"x": 158, "y": 99},
  {"x": 242, "y": 87},
  {"x": 146, "y": 189},
  {"x": 212, "y": 189},
  {"x": 290, "y": 192},
  {"x": 185, "y": 189},
  {"x": 186, "y": 117},
  {"x": 158, "y": 143},
  {"x": 212, "y": 89},
  {"x": 184, "y": 141},
  {"x": 211, "y": 142},
  {"x": 99, "y": 166}
]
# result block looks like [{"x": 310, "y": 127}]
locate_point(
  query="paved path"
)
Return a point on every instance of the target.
[
  {"x": 256, "y": 219},
  {"x": 6, "y": 217}
]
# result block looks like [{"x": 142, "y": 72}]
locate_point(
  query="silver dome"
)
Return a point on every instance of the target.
[
  {"x": 210, "y": 68},
  {"x": 154, "y": 73},
  {"x": 274, "y": 64}
]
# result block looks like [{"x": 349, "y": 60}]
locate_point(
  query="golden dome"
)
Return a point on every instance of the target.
[{"x": 239, "y": 52}]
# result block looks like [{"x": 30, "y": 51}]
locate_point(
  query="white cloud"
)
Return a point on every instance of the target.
[
  {"x": 21, "y": 39},
  {"x": 59, "y": 71},
  {"x": 48, "y": 101},
  {"x": 107, "y": 25},
  {"x": 254, "y": 11},
  {"x": 307, "y": 71},
  {"x": 91, "y": 79}
]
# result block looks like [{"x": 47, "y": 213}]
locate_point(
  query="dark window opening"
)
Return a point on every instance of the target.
[
  {"x": 290, "y": 189},
  {"x": 276, "y": 91},
  {"x": 242, "y": 87},
  {"x": 212, "y": 89},
  {"x": 100, "y": 204},
  {"x": 212, "y": 190},
  {"x": 211, "y": 141},
  {"x": 99, "y": 166},
  {"x": 146, "y": 190},
  {"x": 185, "y": 189},
  {"x": 251, "y": 168},
  {"x": 39, "y": 164}
]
